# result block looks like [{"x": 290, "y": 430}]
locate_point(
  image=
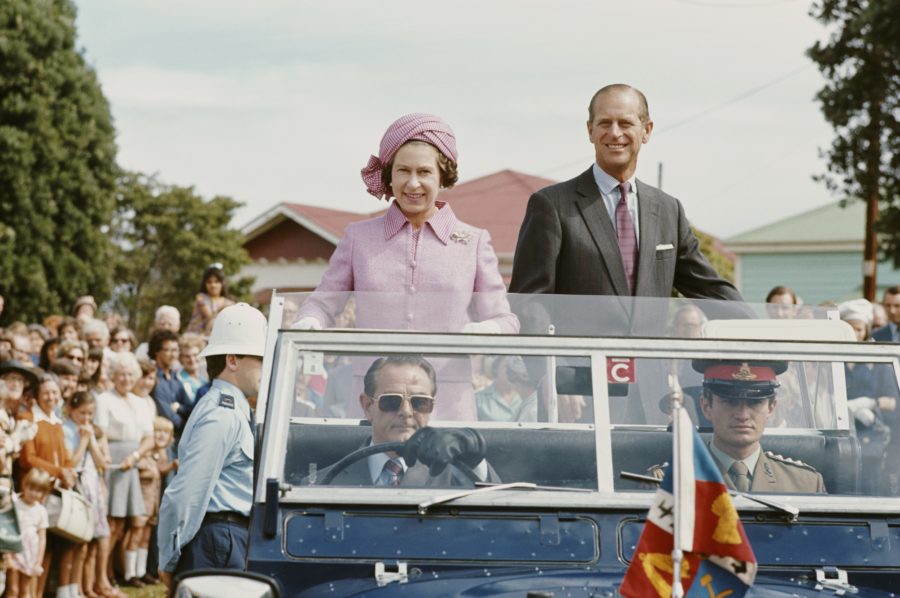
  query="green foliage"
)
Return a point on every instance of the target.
[
  {"x": 57, "y": 164},
  {"x": 167, "y": 236},
  {"x": 861, "y": 100},
  {"x": 712, "y": 248}
]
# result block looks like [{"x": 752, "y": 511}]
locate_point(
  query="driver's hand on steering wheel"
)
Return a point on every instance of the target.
[{"x": 438, "y": 447}]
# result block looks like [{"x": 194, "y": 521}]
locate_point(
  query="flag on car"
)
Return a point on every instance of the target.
[{"x": 717, "y": 555}]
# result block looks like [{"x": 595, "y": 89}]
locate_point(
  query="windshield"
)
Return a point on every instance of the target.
[{"x": 573, "y": 413}]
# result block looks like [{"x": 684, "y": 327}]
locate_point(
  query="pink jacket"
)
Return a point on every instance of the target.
[{"x": 408, "y": 281}]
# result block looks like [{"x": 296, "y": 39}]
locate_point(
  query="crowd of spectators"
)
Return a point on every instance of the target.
[{"x": 87, "y": 408}]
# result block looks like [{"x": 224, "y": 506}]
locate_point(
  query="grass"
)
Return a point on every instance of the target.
[{"x": 154, "y": 591}]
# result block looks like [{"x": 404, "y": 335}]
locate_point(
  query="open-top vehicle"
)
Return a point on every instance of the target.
[{"x": 580, "y": 397}]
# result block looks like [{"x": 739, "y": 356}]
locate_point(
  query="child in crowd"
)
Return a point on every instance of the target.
[
  {"x": 211, "y": 299},
  {"x": 153, "y": 469},
  {"x": 91, "y": 457},
  {"x": 26, "y": 565}
]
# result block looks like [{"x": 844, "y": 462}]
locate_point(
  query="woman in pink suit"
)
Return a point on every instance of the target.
[{"x": 417, "y": 267}]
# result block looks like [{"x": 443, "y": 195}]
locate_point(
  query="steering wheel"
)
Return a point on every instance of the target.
[{"x": 384, "y": 447}]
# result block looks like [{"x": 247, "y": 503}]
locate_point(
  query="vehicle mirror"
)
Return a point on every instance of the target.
[{"x": 209, "y": 583}]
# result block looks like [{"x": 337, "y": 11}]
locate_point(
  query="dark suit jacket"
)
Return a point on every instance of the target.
[
  {"x": 567, "y": 245},
  {"x": 883, "y": 335},
  {"x": 417, "y": 476}
]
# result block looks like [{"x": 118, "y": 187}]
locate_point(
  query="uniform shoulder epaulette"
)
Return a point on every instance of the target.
[
  {"x": 789, "y": 461},
  {"x": 226, "y": 401}
]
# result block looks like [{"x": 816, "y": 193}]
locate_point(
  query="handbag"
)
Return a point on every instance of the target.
[{"x": 70, "y": 515}]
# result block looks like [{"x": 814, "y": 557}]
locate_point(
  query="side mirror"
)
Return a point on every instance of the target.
[{"x": 208, "y": 583}]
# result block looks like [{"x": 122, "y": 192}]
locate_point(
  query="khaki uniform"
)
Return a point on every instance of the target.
[
  {"x": 776, "y": 474},
  {"x": 773, "y": 474}
]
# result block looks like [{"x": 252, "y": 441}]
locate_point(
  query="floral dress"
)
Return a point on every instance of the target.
[
  {"x": 91, "y": 483},
  {"x": 200, "y": 325}
]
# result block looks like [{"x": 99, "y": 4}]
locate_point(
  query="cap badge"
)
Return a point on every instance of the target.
[
  {"x": 461, "y": 236},
  {"x": 744, "y": 373}
]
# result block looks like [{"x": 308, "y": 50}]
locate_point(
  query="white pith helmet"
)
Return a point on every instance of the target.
[{"x": 238, "y": 330}]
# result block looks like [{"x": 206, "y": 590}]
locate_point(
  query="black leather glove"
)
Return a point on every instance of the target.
[{"x": 438, "y": 447}]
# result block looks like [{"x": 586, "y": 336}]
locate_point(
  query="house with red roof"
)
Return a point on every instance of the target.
[{"x": 290, "y": 244}]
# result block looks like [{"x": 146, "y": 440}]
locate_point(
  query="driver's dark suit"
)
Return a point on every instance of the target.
[{"x": 358, "y": 474}]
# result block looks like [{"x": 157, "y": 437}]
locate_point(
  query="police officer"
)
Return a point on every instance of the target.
[
  {"x": 207, "y": 505},
  {"x": 738, "y": 398}
]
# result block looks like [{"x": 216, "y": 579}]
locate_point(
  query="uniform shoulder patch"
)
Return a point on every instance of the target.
[
  {"x": 226, "y": 401},
  {"x": 789, "y": 461}
]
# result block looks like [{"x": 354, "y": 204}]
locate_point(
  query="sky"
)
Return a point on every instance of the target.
[{"x": 284, "y": 100}]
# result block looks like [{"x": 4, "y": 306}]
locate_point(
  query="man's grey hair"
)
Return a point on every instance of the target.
[{"x": 167, "y": 310}]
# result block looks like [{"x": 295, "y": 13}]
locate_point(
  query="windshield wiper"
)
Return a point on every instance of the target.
[
  {"x": 482, "y": 487},
  {"x": 791, "y": 510}
]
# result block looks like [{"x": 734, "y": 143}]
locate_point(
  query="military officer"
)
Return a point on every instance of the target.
[
  {"x": 738, "y": 398},
  {"x": 207, "y": 505}
]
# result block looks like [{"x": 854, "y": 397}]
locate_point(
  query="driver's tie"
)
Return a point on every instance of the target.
[
  {"x": 394, "y": 472},
  {"x": 740, "y": 475}
]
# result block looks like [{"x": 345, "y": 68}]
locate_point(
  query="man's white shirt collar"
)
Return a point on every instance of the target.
[
  {"x": 609, "y": 191},
  {"x": 40, "y": 416},
  {"x": 376, "y": 465}
]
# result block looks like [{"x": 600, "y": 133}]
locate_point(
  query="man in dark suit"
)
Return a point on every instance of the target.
[
  {"x": 398, "y": 398},
  {"x": 891, "y": 332},
  {"x": 607, "y": 233}
]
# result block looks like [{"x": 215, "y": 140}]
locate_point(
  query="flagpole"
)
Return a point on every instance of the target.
[{"x": 677, "y": 554}]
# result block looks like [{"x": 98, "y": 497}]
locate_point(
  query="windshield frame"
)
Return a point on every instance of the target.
[{"x": 290, "y": 343}]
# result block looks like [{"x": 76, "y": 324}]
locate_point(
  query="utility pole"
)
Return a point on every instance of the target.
[{"x": 870, "y": 251}]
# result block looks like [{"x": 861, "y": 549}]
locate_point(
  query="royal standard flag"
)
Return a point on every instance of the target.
[{"x": 717, "y": 555}]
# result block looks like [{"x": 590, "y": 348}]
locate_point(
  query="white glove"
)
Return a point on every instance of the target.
[
  {"x": 861, "y": 403},
  {"x": 486, "y": 327},
  {"x": 864, "y": 416},
  {"x": 307, "y": 323}
]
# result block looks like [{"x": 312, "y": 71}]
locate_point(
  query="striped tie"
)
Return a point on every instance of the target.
[
  {"x": 394, "y": 471},
  {"x": 627, "y": 239}
]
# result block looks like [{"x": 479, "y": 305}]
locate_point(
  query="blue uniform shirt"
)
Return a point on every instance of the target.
[{"x": 215, "y": 470}]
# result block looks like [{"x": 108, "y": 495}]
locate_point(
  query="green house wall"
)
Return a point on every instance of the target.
[{"x": 816, "y": 277}]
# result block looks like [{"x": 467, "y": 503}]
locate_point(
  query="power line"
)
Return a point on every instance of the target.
[
  {"x": 720, "y": 4},
  {"x": 737, "y": 98}
]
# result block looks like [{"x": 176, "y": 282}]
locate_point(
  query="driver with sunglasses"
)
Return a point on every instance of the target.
[{"x": 398, "y": 398}]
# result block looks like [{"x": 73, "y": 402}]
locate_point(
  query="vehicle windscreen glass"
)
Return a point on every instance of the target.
[{"x": 343, "y": 402}]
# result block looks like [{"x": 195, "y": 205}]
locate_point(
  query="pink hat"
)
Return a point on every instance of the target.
[{"x": 417, "y": 126}]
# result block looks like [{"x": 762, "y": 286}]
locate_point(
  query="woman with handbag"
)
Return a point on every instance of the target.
[{"x": 47, "y": 451}]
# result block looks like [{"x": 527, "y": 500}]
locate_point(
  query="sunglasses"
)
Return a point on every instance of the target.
[
  {"x": 75, "y": 357},
  {"x": 392, "y": 401}
]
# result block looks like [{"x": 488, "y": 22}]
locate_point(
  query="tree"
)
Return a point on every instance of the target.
[
  {"x": 861, "y": 99},
  {"x": 713, "y": 250},
  {"x": 57, "y": 164},
  {"x": 167, "y": 235}
]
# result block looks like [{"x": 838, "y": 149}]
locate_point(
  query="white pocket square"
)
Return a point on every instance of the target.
[{"x": 664, "y": 246}]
